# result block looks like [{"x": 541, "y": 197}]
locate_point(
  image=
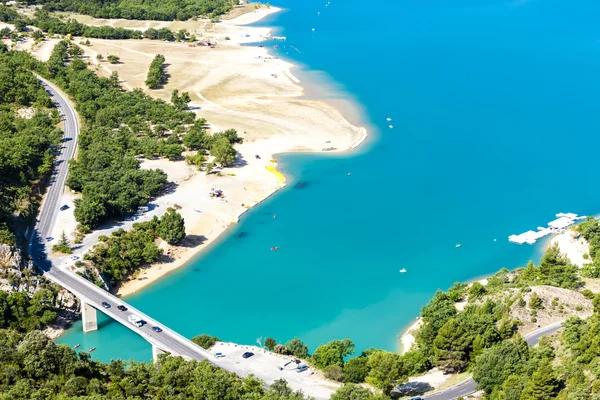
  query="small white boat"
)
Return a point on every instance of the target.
[
  {"x": 389, "y": 119},
  {"x": 403, "y": 270},
  {"x": 391, "y": 126},
  {"x": 458, "y": 245}
]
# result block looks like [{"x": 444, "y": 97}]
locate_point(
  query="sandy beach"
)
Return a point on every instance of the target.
[{"x": 231, "y": 86}]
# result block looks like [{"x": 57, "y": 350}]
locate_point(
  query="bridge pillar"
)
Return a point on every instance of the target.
[
  {"x": 89, "y": 317},
  {"x": 156, "y": 351}
]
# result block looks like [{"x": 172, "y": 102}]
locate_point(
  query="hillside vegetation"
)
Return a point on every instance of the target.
[
  {"x": 26, "y": 144},
  {"x": 161, "y": 10}
]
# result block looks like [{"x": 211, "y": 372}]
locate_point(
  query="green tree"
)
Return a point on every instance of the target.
[
  {"x": 451, "y": 347},
  {"x": 171, "y": 227},
  {"x": 99, "y": 57},
  {"x": 270, "y": 343},
  {"x": 356, "y": 369},
  {"x": 352, "y": 391},
  {"x": 476, "y": 291},
  {"x": 223, "y": 152},
  {"x": 156, "y": 72},
  {"x": 333, "y": 353},
  {"x": 297, "y": 348},
  {"x": 386, "y": 370},
  {"x": 180, "y": 102},
  {"x": 543, "y": 384},
  {"x": 113, "y": 59},
  {"x": 497, "y": 363}
]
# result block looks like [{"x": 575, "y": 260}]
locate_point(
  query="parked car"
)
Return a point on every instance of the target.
[
  {"x": 157, "y": 329},
  {"x": 75, "y": 257},
  {"x": 49, "y": 238},
  {"x": 105, "y": 304},
  {"x": 64, "y": 207},
  {"x": 416, "y": 398},
  {"x": 247, "y": 354},
  {"x": 301, "y": 368},
  {"x": 122, "y": 308}
]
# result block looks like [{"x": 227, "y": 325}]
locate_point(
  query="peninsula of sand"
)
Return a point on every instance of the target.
[{"x": 233, "y": 87}]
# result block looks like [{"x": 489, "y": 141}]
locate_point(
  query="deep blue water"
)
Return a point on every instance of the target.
[{"x": 494, "y": 106}]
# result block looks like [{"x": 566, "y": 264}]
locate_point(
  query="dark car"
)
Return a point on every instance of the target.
[
  {"x": 49, "y": 238},
  {"x": 122, "y": 308},
  {"x": 157, "y": 329},
  {"x": 105, "y": 304},
  {"x": 64, "y": 207},
  {"x": 416, "y": 398},
  {"x": 247, "y": 354},
  {"x": 302, "y": 368}
]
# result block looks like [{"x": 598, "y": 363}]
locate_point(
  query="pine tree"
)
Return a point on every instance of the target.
[
  {"x": 451, "y": 347},
  {"x": 543, "y": 384},
  {"x": 171, "y": 227}
]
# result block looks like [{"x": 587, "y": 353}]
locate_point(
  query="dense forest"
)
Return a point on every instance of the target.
[
  {"x": 26, "y": 144},
  {"x": 162, "y": 10}
]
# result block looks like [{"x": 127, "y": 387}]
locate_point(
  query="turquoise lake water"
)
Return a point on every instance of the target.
[{"x": 495, "y": 112}]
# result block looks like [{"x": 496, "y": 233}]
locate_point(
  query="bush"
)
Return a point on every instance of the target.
[
  {"x": 113, "y": 59},
  {"x": 588, "y": 294},
  {"x": 334, "y": 372},
  {"x": 535, "y": 302},
  {"x": 281, "y": 349},
  {"x": 205, "y": 341}
]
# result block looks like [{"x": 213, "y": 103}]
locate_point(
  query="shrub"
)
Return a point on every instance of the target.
[
  {"x": 334, "y": 372},
  {"x": 205, "y": 341}
]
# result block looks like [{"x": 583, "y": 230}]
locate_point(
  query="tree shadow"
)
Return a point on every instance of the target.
[
  {"x": 410, "y": 389},
  {"x": 239, "y": 161},
  {"x": 193, "y": 241},
  {"x": 169, "y": 188}
]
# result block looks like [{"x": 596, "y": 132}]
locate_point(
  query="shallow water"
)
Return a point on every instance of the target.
[{"x": 493, "y": 103}]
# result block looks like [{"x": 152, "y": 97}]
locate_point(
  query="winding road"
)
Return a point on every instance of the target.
[{"x": 469, "y": 386}]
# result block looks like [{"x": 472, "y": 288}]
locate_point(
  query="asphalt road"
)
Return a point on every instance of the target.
[{"x": 469, "y": 386}]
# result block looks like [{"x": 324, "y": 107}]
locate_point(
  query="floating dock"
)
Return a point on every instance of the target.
[{"x": 559, "y": 225}]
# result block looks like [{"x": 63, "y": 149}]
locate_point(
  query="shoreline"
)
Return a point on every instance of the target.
[
  {"x": 180, "y": 256},
  {"x": 571, "y": 246}
]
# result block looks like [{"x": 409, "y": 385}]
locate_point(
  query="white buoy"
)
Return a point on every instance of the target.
[
  {"x": 391, "y": 126},
  {"x": 313, "y": 29}
]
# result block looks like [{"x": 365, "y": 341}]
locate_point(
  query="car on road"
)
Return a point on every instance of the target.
[
  {"x": 122, "y": 308},
  {"x": 49, "y": 238},
  {"x": 105, "y": 304},
  {"x": 302, "y": 368},
  {"x": 416, "y": 398},
  {"x": 75, "y": 257},
  {"x": 64, "y": 207},
  {"x": 247, "y": 354},
  {"x": 157, "y": 329}
]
